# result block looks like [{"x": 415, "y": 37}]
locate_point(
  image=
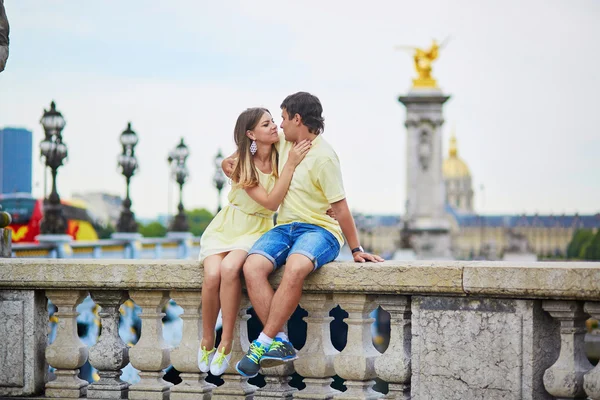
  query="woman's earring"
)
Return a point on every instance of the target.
[{"x": 253, "y": 147}]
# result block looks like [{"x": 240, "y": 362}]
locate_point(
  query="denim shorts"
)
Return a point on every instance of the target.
[{"x": 312, "y": 241}]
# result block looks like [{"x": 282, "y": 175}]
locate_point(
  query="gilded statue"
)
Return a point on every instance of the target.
[{"x": 424, "y": 59}]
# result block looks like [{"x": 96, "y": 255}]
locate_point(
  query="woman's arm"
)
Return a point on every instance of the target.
[
  {"x": 273, "y": 199},
  {"x": 228, "y": 164}
]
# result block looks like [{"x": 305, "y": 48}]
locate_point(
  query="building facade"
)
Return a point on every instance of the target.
[{"x": 16, "y": 160}]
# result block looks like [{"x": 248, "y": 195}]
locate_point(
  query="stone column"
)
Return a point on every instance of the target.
[
  {"x": 151, "y": 354},
  {"x": 110, "y": 354},
  {"x": 425, "y": 211},
  {"x": 236, "y": 386},
  {"x": 315, "y": 359},
  {"x": 356, "y": 363},
  {"x": 591, "y": 380},
  {"x": 185, "y": 356},
  {"x": 67, "y": 354},
  {"x": 394, "y": 365},
  {"x": 564, "y": 379},
  {"x": 276, "y": 379}
]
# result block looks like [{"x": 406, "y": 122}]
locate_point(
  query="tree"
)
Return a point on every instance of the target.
[
  {"x": 104, "y": 231},
  {"x": 579, "y": 242},
  {"x": 152, "y": 229},
  {"x": 199, "y": 219},
  {"x": 592, "y": 250}
]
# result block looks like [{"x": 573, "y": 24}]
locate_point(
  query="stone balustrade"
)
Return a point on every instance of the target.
[{"x": 458, "y": 330}]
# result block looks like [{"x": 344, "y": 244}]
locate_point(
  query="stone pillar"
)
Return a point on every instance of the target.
[
  {"x": 315, "y": 359},
  {"x": 185, "y": 356},
  {"x": 110, "y": 354},
  {"x": 236, "y": 386},
  {"x": 591, "y": 380},
  {"x": 5, "y": 242},
  {"x": 394, "y": 365},
  {"x": 430, "y": 230},
  {"x": 67, "y": 354},
  {"x": 151, "y": 354},
  {"x": 564, "y": 379},
  {"x": 23, "y": 340},
  {"x": 276, "y": 379},
  {"x": 356, "y": 363}
]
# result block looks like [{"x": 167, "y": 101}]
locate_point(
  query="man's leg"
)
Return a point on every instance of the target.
[
  {"x": 267, "y": 254},
  {"x": 287, "y": 297},
  {"x": 257, "y": 269}
]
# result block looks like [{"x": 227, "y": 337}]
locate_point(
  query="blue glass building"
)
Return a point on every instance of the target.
[{"x": 15, "y": 160}]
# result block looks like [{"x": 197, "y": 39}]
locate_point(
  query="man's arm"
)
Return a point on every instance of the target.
[{"x": 344, "y": 217}]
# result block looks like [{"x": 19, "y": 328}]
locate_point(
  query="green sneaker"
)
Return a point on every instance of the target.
[
  {"x": 281, "y": 351},
  {"x": 249, "y": 365}
]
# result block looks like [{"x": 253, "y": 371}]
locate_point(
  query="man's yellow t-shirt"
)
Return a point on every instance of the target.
[{"x": 317, "y": 182}]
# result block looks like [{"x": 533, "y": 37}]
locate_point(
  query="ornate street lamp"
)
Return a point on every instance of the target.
[
  {"x": 54, "y": 152},
  {"x": 219, "y": 179},
  {"x": 177, "y": 159},
  {"x": 128, "y": 164}
]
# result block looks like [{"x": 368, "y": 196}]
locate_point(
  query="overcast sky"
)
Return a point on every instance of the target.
[{"x": 524, "y": 77}]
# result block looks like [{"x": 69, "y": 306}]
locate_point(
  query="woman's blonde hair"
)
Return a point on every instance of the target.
[{"x": 245, "y": 173}]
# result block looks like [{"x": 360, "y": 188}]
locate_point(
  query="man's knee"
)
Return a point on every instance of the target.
[
  {"x": 257, "y": 265},
  {"x": 298, "y": 267}
]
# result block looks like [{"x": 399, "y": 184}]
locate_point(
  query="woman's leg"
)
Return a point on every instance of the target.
[
  {"x": 210, "y": 298},
  {"x": 231, "y": 293}
]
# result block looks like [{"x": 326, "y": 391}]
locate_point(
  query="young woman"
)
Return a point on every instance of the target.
[{"x": 257, "y": 190}]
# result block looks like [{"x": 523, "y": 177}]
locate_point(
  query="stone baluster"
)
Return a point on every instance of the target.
[
  {"x": 394, "y": 365},
  {"x": 276, "y": 379},
  {"x": 315, "y": 359},
  {"x": 236, "y": 386},
  {"x": 591, "y": 380},
  {"x": 110, "y": 354},
  {"x": 564, "y": 379},
  {"x": 67, "y": 353},
  {"x": 356, "y": 363},
  {"x": 185, "y": 356},
  {"x": 151, "y": 354}
]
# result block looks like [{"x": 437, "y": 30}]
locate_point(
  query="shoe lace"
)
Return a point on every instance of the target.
[
  {"x": 205, "y": 354},
  {"x": 221, "y": 356},
  {"x": 256, "y": 352},
  {"x": 276, "y": 345}
]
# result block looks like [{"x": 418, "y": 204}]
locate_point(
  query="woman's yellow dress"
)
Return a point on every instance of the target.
[{"x": 240, "y": 223}]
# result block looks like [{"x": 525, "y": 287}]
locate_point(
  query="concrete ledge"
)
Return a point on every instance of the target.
[{"x": 558, "y": 280}]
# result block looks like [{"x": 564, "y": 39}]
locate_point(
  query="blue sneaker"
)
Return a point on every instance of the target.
[
  {"x": 249, "y": 365},
  {"x": 281, "y": 351}
]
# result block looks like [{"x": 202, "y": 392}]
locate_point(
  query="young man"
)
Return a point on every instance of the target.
[{"x": 305, "y": 238}]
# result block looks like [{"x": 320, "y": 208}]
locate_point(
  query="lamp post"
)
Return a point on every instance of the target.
[
  {"x": 54, "y": 152},
  {"x": 128, "y": 164},
  {"x": 219, "y": 179},
  {"x": 177, "y": 159}
]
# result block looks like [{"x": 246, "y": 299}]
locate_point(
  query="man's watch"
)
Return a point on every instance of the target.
[{"x": 357, "y": 249}]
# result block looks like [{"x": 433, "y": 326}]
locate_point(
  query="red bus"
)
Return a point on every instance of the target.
[{"x": 27, "y": 213}]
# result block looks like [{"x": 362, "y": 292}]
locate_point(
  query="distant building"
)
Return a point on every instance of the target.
[
  {"x": 15, "y": 160},
  {"x": 475, "y": 236},
  {"x": 103, "y": 207}
]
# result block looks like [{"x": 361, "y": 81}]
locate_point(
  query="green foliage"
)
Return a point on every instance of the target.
[
  {"x": 152, "y": 229},
  {"x": 104, "y": 231},
  {"x": 579, "y": 242},
  {"x": 592, "y": 250},
  {"x": 198, "y": 220}
]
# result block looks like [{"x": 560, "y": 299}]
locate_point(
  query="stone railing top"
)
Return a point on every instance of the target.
[{"x": 559, "y": 280}]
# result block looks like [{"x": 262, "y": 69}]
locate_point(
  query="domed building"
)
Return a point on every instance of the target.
[{"x": 457, "y": 180}]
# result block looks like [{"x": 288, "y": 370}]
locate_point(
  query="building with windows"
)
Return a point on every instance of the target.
[{"x": 15, "y": 160}]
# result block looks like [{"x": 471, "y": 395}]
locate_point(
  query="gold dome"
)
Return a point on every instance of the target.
[{"x": 453, "y": 166}]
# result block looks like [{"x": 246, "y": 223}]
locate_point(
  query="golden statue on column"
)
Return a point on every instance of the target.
[{"x": 424, "y": 59}]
